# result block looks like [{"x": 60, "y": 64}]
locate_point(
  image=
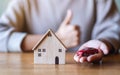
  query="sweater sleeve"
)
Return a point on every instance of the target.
[
  {"x": 107, "y": 25},
  {"x": 11, "y": 27}
]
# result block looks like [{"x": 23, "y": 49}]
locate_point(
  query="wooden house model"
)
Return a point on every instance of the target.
[{"x": 49, "y": 50}]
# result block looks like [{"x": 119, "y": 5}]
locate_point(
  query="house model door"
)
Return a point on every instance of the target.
[{"x": 56, "y": 60}]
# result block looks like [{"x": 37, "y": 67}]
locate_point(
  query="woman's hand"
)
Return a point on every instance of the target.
[
  {"x": 102, "y": 48},
  {"x": 69, "y": 34}
]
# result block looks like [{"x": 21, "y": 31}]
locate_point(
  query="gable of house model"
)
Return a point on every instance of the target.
[{"x": 48, "y": 49}]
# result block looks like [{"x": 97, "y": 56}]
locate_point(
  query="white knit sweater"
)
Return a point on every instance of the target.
[{"x": 98, "y": 19}]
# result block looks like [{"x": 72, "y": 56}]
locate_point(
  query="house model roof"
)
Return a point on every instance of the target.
[{"x": 49, "y": 32}]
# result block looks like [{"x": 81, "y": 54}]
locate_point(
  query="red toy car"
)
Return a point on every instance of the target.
[{"x": 87, "y": 52}]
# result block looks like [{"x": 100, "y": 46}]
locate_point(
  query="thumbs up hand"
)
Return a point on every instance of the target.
[{"x": 69, "y": 34}]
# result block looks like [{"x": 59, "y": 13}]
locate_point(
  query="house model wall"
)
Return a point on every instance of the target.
[{"x": 49, "y": 50}]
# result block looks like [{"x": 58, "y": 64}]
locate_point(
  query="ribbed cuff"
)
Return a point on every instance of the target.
[{"x": 15, "y": 40}]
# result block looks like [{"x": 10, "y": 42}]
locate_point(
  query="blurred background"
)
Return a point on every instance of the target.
[{"x": 4, "y": 3}]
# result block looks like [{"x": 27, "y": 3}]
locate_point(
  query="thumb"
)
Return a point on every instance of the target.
[{"x": 68, "y": 18}]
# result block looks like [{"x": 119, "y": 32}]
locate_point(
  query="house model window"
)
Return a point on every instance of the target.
[
  {"x": 60, "y": 50},
  {"x": 49, "y": 50},
  {"x": 39, "y": 54},
  {"x": 39, "y": 50},
  {"x": 44, "y": 50}
]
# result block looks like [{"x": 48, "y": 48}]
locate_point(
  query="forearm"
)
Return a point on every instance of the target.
[
  {"x": 107, "y": 25},
  {"x": 29, "y": 42}
]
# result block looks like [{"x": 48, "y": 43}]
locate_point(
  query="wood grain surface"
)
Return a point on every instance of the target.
[{"x": 23, "y": 64}]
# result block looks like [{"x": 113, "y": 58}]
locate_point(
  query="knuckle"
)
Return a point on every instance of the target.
[
  {"x": 77, "y": 33},
  {"x": 76, "y": 27},
  {"x": 73, "y": 27}
]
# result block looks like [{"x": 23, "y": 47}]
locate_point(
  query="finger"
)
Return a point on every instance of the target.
[
  {"x": 76, "y": 40},
  {"x": 95, "y": 57},
  {"x": 76, "y": 27},
  {"x": 83, "y": 59},
  {"x": 68, "y": 18},
  {"x": 76, "y": 58}
]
